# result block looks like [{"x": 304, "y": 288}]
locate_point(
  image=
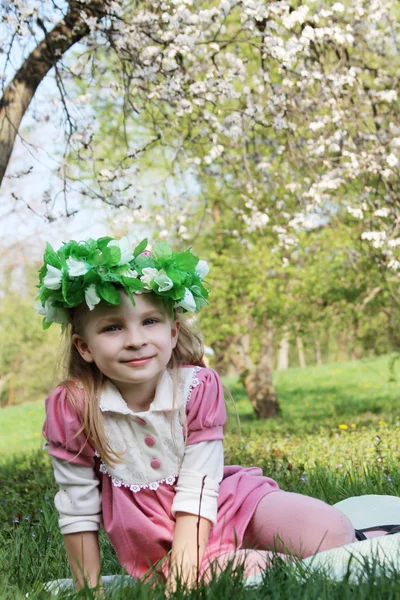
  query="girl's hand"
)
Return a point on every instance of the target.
[
  {"x": 187, "y": 579},
  {"x": 188, "y": 547},
  {"x": 84, "y": 559}
]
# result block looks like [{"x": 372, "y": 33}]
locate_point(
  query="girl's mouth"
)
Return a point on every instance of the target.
[{"x": 139, "y": 362}]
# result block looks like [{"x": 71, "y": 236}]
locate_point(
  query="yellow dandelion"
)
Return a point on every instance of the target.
[
  {"x": 381, "y": 422},
  {"x": 343, "y": 426},
  {"x": 353, "y": 425}
]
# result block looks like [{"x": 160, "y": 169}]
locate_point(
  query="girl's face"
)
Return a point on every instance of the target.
[{"x": 130, "y": 345}]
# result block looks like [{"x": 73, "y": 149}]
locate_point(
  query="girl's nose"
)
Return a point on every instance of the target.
[{"x": 135, "y": 337}]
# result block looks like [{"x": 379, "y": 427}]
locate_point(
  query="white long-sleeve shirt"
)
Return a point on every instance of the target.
[{"x": 150, "y": 459}]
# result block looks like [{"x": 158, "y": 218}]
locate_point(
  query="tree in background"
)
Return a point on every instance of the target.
[
  {"x": 292, "y": 108},
  {"x": 303, "y": 96},
  {"x": 28, "y": 358},
  {"x": 283, "y": 117}
]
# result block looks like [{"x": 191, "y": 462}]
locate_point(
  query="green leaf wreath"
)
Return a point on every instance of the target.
[{"x": 94, "y": 271}]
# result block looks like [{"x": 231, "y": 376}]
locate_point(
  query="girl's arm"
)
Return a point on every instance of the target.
[
  {"x": 188, "y": 547},
  {"x": 195, "y": 509},
  {"x": 84, "y": 557}
]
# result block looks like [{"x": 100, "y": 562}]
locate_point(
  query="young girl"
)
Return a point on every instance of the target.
[{"x": 135, "y": 431}]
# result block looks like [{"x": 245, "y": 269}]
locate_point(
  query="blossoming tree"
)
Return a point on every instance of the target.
[{"x": 291, "y": 108}]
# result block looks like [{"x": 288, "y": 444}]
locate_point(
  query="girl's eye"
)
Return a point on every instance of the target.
[
  {"x": 150, "y": 321},
  {"x": 112, "y": 328}
]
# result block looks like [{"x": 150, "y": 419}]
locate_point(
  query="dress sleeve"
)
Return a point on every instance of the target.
[
  {"x": 205, "y": 411},
  {"x": 203, "y": 462},
  {"x": 197, "y": 488},
  {"x": 78, "y": 500},
  {"x": 60, "y": 428}
]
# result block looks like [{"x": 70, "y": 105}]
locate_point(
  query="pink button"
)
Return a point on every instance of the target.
[
  {"x": 149, "y": 441},
  {"x": 155, "y": 463},
  {"x": 140, "y": 421}
]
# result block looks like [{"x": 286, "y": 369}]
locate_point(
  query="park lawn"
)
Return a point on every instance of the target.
[
  {"x": 363, "y": 392},
  {"x": 338, "y": 435},
  {"x": 21, "y": 428}
]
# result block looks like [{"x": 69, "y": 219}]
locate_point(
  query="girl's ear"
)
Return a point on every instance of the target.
[
  {"x": 175, "y": 327},
  {"x": 82, "y": 348}
]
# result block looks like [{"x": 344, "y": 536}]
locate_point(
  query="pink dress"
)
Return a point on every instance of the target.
[{"x": 140, "y": 524}]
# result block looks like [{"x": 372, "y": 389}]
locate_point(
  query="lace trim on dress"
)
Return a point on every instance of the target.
[
  {"x": 136, "y": 487},
  {"x": 194, "y": 383},
  {"x": 153, "y": 485}
]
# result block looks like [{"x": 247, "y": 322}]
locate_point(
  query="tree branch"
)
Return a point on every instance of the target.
[{"x": 20, "y": 91}]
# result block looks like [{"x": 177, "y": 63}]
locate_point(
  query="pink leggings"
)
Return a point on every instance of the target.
[
  {"x": 297, "y": 524},
  {"x": 290, "y": 524}
]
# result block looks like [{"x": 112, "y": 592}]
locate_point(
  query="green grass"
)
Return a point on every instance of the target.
[
  {"x": 305, "y": 450},
  {"x": 21, "y": 428},
  {"x": 361, "y": 392}
]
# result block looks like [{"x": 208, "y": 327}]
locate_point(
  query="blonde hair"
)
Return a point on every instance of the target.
[{"x": 189, "y": 350}]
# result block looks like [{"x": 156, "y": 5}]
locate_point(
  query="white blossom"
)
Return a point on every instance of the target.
[
  {"x": 387, "y": 95},
  {"x": 125, "y": 248},
  {"x": 202, "y": 269},
  {"x": 52, "y": 314},
  {"x": 376, "y": 237},
  {"x": 76, "y": 267},
  {"x": 187, "y": 303},
  {"x": 91, "y": 296},
  {"x": 130, "y": 273},
  {"x": 52, "y": 279},
  {"x": 355, "y": 212},
  {"x": 163, "y": 281},
  {"x": 382, "y": 212},
  {"x": 296, "y": 16},
  {"x": 148, "y": 274},
  {"x": 394, "y": 264},
  {"x": 392, "y": 160}
]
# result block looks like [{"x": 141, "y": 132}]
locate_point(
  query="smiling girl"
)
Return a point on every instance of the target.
[{"x": 135, "y": 430}]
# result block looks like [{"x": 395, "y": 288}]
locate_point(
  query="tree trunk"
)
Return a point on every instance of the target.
[
  {"x": 300, "y": 350},
  {"x": 317, "y": 344},
  {"x": 20, "y": 91},
  {"x": 283, "y": 352},
  {"x": 11, "y": 393},
  {"x": 257, "y": 378},
  {"x": 260, "y": 390},
  {"x": 342, "y": 353}
]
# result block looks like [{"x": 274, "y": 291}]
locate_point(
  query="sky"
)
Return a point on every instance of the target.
[{"x": 23, "y": 220}]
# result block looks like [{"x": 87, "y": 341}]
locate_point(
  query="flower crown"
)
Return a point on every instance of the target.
[{"x": 94, "y": 271}]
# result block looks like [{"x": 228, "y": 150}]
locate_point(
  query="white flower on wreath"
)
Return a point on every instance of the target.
[
  {"x": 148, "y": 274},
  {"x": 76, "y": 267},
  {"x": 202, "y": 268},
  {"x": 52, "y": 279},
  {"x": 164, "y": 282},
  {"x": 132, "y": 273},
  {"x": 187, "y": 303},
  {"x": 125, "y": 249},
  {"x": 91, "y": 296},
  {"x": 52, "y": 314}
]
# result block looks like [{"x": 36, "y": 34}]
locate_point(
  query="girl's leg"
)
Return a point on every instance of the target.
[
  {"x": 252, "y": 562},
  {"x": 296, "y": 524}
]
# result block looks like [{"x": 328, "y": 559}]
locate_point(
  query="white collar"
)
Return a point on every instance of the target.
[{"x": 111, "y": 399}]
